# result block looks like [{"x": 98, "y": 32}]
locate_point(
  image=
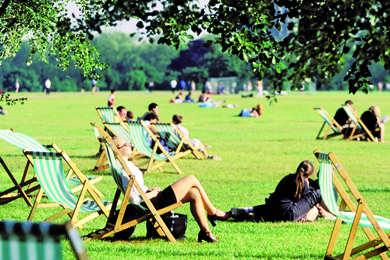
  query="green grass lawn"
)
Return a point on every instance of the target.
[{"x": 256, "y": 154}]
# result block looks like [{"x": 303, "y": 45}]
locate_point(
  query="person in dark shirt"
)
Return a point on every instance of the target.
[
  {"x": 342, "y": 118},
  {"x": 371, "y": 120},
  {"x": 296, "y": 198}
]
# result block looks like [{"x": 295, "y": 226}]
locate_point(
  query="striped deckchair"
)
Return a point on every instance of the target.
[
  {"x": 27, "y": 240},
  {"x": 138, "y": 132},
  {"x": 175, "y": 139},
  {"x": 332, "y": 125},
  {"x": 28, "y": 185},
  {"x": 117, "y": 222},
  {"x": 360, "y": 216},
  {"x": 107, "y": 115},
  {"x": 359, "y": 129},
  {"x": 50, "y": 173}
]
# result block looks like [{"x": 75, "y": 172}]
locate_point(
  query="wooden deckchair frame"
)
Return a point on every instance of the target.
[
  {"x": 153, "y": 163},
  {"x": 184, "y": 145},
  {"x": 358, "y": 123},
  {"x": 113, "y": 226},
  {"x": 332, "y": 125},
  {"x": 101, "y": 162},
  {"x": 362, "y": 208},
  {"x": 28, "y": 185},
  {"x": 87, "y": 188},
  {"x": 19, "y": 232}
]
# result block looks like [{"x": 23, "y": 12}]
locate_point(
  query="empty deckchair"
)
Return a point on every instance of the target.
[
  {"x": 107, "y": 115},
  {"x": 334, "y": 129},
  {"x": 28, "y": 240},
  {"x": 28, "y": 185},
  {"x": 175, "y": 139},
  {"x": 50, "y": 173},
  {"x": 137, "y": 133},
  {"x": 360, "y": 216},
  {"x": 359, "y": 128},
  {"x": 117, "y": 222}
]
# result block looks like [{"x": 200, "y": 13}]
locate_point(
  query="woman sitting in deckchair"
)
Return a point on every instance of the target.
[
  {"x": 371, "y": 119},
  {"x": 296, "y": 198},
  {"x": 187, "y": 189}
]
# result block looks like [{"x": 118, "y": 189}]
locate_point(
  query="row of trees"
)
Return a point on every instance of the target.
[{"x": 132, "y": 63}]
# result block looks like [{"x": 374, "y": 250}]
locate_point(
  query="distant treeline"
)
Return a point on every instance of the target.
[{"x": 134, "y": 63}]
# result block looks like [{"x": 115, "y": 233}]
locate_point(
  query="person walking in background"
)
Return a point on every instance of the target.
[
  {"x": 93, "y": 83},
  {"x": 259, "y": 89},
  {"x": 111, "y": 98},
  {"x": 173, "y": 85},
  {"x": 16, "y": 86},
  {"x": 47, "y": 86},
  {"x": 146, "y": 85},
  {"x": 151, "y": 85},
  {"x": 182, "y": 85}
]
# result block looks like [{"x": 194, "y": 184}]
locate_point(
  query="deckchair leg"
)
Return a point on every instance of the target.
[
  {"x": 152, "y": 158},
  {"x": 335, "y": 232},
  {"x": 35, "y": 206}
]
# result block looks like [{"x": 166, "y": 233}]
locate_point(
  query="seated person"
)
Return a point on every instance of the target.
[
  {"x": 177, "y": 120},
  {"x": 254, "y": 112},
  {"x": 122, "y": 111},
  {"x": 153, "y": 108},
  {"x": 187, "y": 189},
  {"x": 204, "y": 97},
  {"x": 342, "y": 118},
  {"x": 179, "y": 98},
  {"x": 188, "y": 98},
  {"x": 3, "y": 112},
  {"x": 296, "y": 198},
  {"x": 371, "y": 119},
  {"x": 129, "y": 115},
  {"x": 151, "y": 118}
]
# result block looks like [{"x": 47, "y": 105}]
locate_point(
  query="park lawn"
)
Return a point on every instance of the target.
[{"x": 256, "y": 154}]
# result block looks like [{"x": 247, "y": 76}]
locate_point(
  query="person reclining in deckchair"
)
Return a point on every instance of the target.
[
  {"x": 376, "y": 126},
  {"x": 177, "y": 120},
  {"x": 187, "y": 189},
  {"x": 344, "y": 120},
  {"x": 296, "y": 198}
]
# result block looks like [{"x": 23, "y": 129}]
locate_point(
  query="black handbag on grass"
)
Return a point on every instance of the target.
[{"x": 176, "y": 223}]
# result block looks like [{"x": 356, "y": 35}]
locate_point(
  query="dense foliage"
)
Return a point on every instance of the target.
[
  {"x": 131, "y": 65},
  {"x": 319, "y": 35}
]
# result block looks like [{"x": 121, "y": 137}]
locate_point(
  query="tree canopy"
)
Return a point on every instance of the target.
[{"x": 319, "y": 34}]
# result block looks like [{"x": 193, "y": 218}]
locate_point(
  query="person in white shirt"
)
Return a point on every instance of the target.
[{"x": 187, "y": 189}]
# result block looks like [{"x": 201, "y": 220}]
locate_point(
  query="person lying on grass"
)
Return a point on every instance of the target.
[
  {"x": 296, "y": 198},
  {"x": 187, "y": 189},
  {"x": 252, "y": 112}
]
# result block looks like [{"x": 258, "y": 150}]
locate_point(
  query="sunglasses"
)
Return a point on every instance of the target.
[{"x": 126, "y": 144}]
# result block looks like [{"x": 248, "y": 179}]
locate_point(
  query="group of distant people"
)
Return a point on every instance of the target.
[
  {"x": 370, "y": 118},
  {"x": 152, "y": 116}
]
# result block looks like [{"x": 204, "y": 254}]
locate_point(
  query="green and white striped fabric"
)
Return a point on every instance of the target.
[
  {"x": 23, "y": 141},
  {"x": 169, "y": 135},
  {"x": 108, "y": 114},
  {"x": 22, "y": 241},
  {"x": 324, "y": 115},
  {"x": 120, "y": 131},
  {"x": 115, "y": 171},
  {"x": 49, "y": 170},
  {"x": 329, "y": 196},
  {"x": 352, "y": 116},
  {"x": 137, "y": 134}
]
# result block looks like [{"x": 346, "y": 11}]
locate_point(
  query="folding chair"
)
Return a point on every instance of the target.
[
  {"x": 360, "y": 216},
  {"x": 175, "y": 139},
  {"x": 50, "y": 173},
  {"x": 107, "y": 115},
  {"x": 27, "y": 240},
  {"x": 117, "y": 222},
  {"x": 28, "y": 185},
  {"x": 138, "y": 131},
  {"x": 359, "y": 129},
  {"x": 332, "y": 125}
]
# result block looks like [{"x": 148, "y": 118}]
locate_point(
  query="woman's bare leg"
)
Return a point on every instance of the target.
[{"x": 183, "y": 186}]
